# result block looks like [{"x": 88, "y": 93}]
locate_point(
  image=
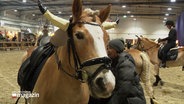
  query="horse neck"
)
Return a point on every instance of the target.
[
  {"x": 63, "y": 56},
  {"x": 70, "y": 85},
  {"x": 153, "y": 54}
]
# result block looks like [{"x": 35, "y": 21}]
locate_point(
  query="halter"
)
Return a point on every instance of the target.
[{"x": 81, "y": 75}]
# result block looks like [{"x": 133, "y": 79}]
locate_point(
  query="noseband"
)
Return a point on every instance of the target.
[{"x": 81, "y": 75}]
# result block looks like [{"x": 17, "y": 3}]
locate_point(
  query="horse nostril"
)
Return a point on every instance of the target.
[{"x": 100, "y": 83}]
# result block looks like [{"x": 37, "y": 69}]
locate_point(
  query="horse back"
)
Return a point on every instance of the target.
[{"x": 136, "y": 56}]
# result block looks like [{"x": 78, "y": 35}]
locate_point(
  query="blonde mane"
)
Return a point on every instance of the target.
[{"x": 91, "y": 12}]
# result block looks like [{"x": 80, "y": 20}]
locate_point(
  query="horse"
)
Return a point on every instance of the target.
[
  {"x": 152, "y": 49},
  {"x": 144, "y": 68},
  {"x": 80, "y": 68}
]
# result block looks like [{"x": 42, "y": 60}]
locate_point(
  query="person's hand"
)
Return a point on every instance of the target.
[
  {"x": 41, "y": 7},
  {"x": 117, "y": 20}
]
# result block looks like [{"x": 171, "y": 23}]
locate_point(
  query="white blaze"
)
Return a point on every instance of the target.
[{"x": 97, "y": 35}]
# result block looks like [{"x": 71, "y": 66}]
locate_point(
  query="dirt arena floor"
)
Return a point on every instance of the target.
[{"x": 171, "y": 93}]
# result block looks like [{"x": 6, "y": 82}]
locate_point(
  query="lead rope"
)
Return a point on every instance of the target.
[{"x": 20, "y": 97}]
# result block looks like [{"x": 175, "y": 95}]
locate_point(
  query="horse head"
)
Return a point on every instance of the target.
[
  {"x": 87, "y": 41},
  {"x": 145, "y": 44},
  {"x": 89, "y": 38}
]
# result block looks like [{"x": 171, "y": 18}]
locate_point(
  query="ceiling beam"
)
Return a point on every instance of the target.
[{"x": 95, "y": 4}]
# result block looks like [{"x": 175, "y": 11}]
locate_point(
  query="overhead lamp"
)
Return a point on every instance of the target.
[
  {"x": 169, "y": 8},
  {"x": 123, "y": 6},
  {"x": 59, "y": 12},
  {"x": 15, "y": 10},
  {"x": 173, "y": 0},
  {"x": 24, "y": 1},
  {"x": 166, "y": 14},
  {"x": 125, "y": 16},
  {"x": 33, "y": 15},
  {"x": 128, "y": 12},
  {"x": 134, "y": 19},
  {"x": 165, "y": 18},
  {"x": 132, "y": 16}
]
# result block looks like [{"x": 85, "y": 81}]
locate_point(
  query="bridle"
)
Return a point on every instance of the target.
[
  {"x": 80, "y": 74},
  {"x": 141, "y": 45}
]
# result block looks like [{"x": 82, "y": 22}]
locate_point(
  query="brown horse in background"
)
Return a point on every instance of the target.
[
  {"x": 144, "y": 68},
  {"x": 82, "y": 59},
  {"x": 152, "y": 48}
]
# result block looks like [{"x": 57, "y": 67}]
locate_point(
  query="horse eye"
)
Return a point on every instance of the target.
[{"x": 79, "y": 35}]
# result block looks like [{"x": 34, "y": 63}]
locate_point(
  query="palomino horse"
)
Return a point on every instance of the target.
[
  {"x": 143, "y": 68},
  {"x": 82, "y": 59},
  {"x": 152, "y": 48}
]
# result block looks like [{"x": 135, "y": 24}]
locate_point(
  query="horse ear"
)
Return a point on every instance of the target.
[
  {"x": 104, "y": 13},
  {"x": 77, "y": 9}
]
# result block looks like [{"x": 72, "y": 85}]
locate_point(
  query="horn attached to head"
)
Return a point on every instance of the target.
[
  {"x": 137, "y": 36},
  {"x": 41, "y": 7},
  {"x": 55, "y": 20}
]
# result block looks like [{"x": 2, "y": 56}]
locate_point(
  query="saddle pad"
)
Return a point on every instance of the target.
[
  {"x": 171, "y": 55},
  {"x": 32, "y": 66}
]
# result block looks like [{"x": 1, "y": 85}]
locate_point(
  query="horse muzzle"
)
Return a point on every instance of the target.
[{"x": 101, "y": 82}]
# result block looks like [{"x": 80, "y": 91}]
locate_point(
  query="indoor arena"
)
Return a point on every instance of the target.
[{"x": 91, "y": 51}]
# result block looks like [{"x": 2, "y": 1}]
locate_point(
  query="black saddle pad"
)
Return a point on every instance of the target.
[
  {"x": 171, "y": 55},
  {"x": 31, "y": 67}
]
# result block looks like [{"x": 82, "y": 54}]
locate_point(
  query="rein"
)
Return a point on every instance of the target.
[
  {"x": 81, "y": 75},
  {"x": 150, "y": 48}
]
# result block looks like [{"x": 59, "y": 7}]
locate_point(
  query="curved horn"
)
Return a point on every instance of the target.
[
  {"x": 55, "y": 20},
  {"x": 137, "y": 36},
  {"x": 41, "y": 7}
]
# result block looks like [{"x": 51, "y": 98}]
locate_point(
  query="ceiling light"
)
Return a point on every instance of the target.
[
  {"x": 169, "y": 8},
  {"x": 15, "y": 10},
  {"x": 135, "y": 19},
  {"x": 125, "y": 16},
  {"x": 24, "y": 1},
  {"x": 124, "y": 6},
  {"x": 166, "y": 14},
  {"x": 173, "y": 0},
  {"x": 165, "y": 18},
  {"x": 128, "y": 12},
  {"x": 59, "y": 12},
  {"x": 132, "y": 16},
  {"x": 33, "y": 14},
  {"x": 163, "y": 21}
]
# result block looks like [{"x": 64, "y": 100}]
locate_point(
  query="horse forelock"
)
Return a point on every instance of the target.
[
  {"x": 90, "y": 24},
  {"x": 89, "y": 15},
  {"x": 91, "y": 12}
]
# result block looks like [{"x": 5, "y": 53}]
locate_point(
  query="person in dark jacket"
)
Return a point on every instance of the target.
[
  {"x": 128, "y": 89},
  {"x": 171, "y": 41}
]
